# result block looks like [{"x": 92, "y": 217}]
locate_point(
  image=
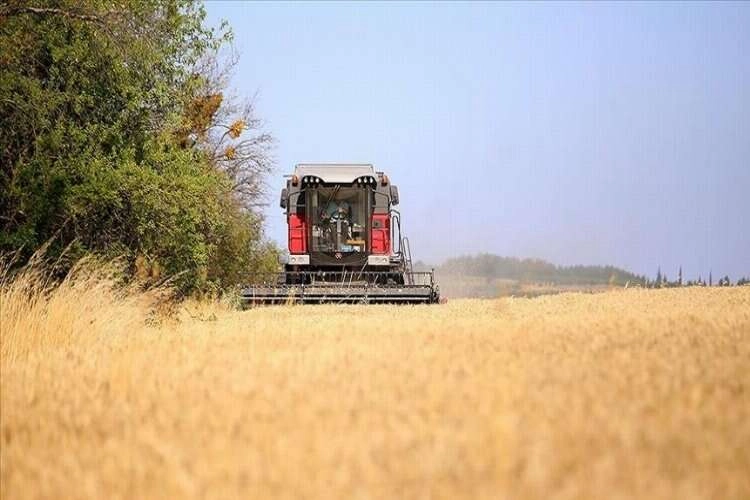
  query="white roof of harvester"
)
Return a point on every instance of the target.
[{"x": 335, "y": 172}]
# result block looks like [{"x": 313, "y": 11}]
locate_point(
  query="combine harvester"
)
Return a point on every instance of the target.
[{"x": 345, "y": 243}]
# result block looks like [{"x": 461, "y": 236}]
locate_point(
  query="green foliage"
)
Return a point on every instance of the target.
[{"x": 93, "y": 99}]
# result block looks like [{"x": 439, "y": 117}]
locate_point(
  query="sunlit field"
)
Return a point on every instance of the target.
[{"x": 623, "y": 394}]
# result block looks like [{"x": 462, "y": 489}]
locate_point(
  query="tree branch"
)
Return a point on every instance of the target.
[{"x": 7, "y": 11}]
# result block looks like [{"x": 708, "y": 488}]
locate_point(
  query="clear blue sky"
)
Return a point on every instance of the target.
[{"x": 577, "y": 133}]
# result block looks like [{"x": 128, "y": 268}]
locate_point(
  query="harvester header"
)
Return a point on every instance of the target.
[{"x": 344, "y": 242}]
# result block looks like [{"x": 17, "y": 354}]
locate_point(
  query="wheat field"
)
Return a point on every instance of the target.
[{"x": 624, "y": 394}]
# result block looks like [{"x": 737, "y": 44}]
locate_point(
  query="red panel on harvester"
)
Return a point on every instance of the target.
[
  {"x": 381, "y": 234},
  {"x": 297, "y": 234}
]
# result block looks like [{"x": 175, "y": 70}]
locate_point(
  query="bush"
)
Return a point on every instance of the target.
[{"x": 101, "y": 151}]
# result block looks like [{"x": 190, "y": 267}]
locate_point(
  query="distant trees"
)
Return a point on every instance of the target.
[
  {"x": 662, "y": 281},
  {"x": 537, "y": 270},
  {"x": 117, "y": 138},
  {"x": 494, "y": 267}
]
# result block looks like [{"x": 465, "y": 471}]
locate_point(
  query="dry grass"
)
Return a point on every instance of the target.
[{"x": 628, "y": 394}]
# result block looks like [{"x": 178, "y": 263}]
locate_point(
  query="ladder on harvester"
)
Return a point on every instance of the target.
[
  {"x": 406, "y": 260},
  {"x": 404, "y": 248}
]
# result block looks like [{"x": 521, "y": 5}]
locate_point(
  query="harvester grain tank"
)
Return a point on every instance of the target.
[{"x": 344, "y": 242}]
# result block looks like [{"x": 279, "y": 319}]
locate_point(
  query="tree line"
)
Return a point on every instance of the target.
[
  {"x": 528, "y": 270},
  {"x": 119, "y": 138},
  {"x": 536, "y": 270},
  {"x": 662, "y": 281}
]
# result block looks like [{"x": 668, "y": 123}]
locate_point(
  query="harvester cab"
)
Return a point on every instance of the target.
[{"x": 344, "y": 242}]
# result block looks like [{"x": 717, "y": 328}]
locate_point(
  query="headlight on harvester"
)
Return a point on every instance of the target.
[{"x": 299, "y": 260}]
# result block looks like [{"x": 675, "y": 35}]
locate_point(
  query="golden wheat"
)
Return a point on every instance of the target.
[{"x": 626, "y": 394}]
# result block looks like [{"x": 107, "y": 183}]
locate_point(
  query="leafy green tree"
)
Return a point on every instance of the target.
[{"x": 109, "y": 142}]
